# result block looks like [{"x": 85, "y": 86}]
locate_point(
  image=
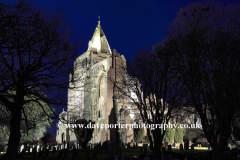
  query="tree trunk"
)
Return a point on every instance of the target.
[
  {"x": 221, "y": 145},
  {"x": 15, "y": 135},
  {"x": 157, "y": 149},
  {"x": 157, "y": 144}
]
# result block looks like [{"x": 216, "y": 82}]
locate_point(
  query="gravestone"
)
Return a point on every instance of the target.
[
  {"x": 40, "y": 153},
  {"x": 181, "y": 147},
  {"x": 166, "y": 144},
  {"x": 21, "y": 148},
  {"x": 34, "y": 152},
  {"x": 169, "y": 148},
  {"x": 5, "y": 149},
  {"x": 52, "y": 146},
  {"x": 163, "y": 149},
  {"x": 58, "y": 147},
  {"x": 131, "y": 144},
  {"x": 28, "y": 149},
  {"x": 67, "y": 146},
  {"x": 43, "y": 151},
  {"x": 76, "y": 145},
  {"x": 31, "y": 149},
  {"x": 99, "y": 147},
  {"x": 23, "y": 152},
  {"x": 64, "y": 143},
  {"x": 40, "y": 147},
  {"x": 37, "y": 147},
  {"x": 145, "y": 149},
  {"x": 192, "y": 147},
  {"x": 54, "y": 150},
  {"x": 186, "y": 145},
  {"x": 174, "y": 145},
  {"x": 105, "y": 147},
  {"x": 25, "y": 146}
]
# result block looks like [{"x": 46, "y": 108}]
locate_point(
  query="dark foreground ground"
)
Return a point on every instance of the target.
[{"x": 128, "y": 154}]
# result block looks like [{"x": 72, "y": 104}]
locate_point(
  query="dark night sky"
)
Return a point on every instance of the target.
[{"x": 127, "y": 24}]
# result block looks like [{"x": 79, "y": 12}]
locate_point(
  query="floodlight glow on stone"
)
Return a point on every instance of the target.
[{"x": 96, "y": 39}]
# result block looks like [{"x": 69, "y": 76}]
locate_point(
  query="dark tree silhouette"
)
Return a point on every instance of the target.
[
  {"x": 35, "y": 51},
  {"x": 205, "y": 40},
  {"x": 48, "y": 138},
  {"x": 154, "y": 89},
  {"x": 84, "y": 135}
]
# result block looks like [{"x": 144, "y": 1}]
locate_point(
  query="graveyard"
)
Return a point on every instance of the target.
[
  {"x": 178, "y": 98},
  {"x": 111, "y": 152}
]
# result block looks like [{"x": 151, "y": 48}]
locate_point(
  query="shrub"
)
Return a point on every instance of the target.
[
  {"x": 138, "y": 134},
  {"x": 179, "y": 133},
  {"x": 147, "y": 141},
  {"x": 192, "y": 134},
  {"x": 84, "y": 135},
  {"x": 169, "y": 135}
]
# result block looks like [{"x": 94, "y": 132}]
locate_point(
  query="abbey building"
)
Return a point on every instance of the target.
[{"x": 91, "y": 93}]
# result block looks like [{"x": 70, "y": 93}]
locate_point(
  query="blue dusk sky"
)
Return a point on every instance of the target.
[{"x": 127, "y": 24}]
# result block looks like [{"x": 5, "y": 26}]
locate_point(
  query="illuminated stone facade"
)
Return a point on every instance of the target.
[{"x": 91, "y": 93}]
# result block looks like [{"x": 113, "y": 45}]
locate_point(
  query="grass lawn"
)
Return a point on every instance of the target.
[
  {"x": 196, "y": 150},
  {"x": 102, "y": 156}
]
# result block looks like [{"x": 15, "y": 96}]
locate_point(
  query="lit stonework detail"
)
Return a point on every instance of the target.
[{"x": 90, "y": 93}]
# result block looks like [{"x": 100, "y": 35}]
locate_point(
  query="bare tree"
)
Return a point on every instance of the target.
[
  {"x": 154, "y": 89},
  {"x": 205, "y": 41},
  {"x": 36, "y": 52}
]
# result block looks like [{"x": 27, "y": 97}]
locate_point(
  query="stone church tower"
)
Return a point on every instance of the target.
[{"x": 91, "y": 93}]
